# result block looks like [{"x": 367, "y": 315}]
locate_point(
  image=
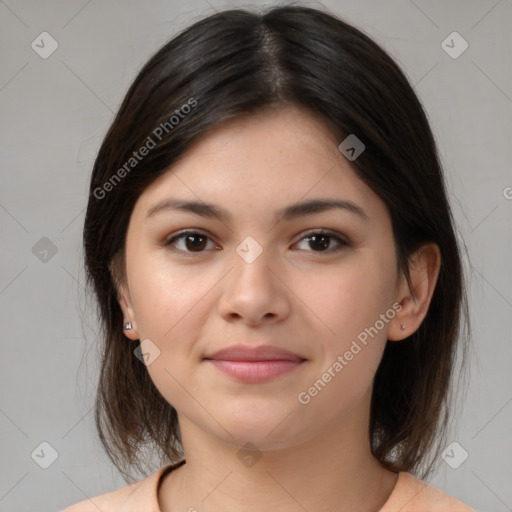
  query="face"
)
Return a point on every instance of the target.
[{"x": 318, "y": 283}]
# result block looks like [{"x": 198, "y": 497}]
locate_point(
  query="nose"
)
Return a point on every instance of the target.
[{"x": 254, "y": 293}]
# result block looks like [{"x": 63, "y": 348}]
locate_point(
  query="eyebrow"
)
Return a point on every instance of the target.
[{"x": 288, "y": 213}]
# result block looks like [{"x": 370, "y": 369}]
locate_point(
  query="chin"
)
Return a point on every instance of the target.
[{"x": 268, "y": 429}]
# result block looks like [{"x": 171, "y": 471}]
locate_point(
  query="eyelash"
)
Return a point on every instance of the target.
[{"x": 331, "y": 235}]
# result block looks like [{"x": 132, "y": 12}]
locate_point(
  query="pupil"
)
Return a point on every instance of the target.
[
  {"x": 325, "y": 239},
  {"x": 195, "y": 245}
]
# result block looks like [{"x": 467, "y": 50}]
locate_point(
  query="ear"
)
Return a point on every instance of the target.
[
  {"x": 123, "y": 298},
  {"x": 424, "y": 266}
]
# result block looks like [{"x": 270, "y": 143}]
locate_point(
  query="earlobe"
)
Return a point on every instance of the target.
[
  {"x": 424, "y": 266},
  {"x": 129, "y": 324}
]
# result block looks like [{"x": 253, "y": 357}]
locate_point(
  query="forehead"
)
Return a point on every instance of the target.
[
  {"x": 284, "y": 133},
  {"x": 259, "y": 162}
]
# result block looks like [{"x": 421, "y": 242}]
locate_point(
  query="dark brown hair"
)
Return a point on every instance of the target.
[{"x": 238, "y": 62}]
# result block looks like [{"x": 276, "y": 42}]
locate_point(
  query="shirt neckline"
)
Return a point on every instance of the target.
[
  {"x": 163, "y": 472},
  {"x": 160, "y": 475}
]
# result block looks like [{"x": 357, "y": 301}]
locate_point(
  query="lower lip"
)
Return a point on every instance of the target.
[{"x": 255, "y": 371}]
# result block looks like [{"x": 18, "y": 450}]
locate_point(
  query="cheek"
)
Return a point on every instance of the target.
[
  {"x": 164, "y": 298},
  {"x": 351, "y": 297},
  {"x": 350, "y": 302},
  {"x": 169, "y": 312},
  {"x": 352, "y": 334},
  {"x": 171, "y": 307}
]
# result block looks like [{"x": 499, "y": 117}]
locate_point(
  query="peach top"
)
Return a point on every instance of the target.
[{"x": 409, "y": 495}]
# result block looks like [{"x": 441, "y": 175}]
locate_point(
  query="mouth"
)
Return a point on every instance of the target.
[{"x": 254, "y": 364}]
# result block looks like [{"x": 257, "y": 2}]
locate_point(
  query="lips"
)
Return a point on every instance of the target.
[
  {"x": 260, "y": 353},
  {"x": 254, "y": 364}
]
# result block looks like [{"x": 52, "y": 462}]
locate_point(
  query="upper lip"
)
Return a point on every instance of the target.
[{"x": 259, "y": 353}]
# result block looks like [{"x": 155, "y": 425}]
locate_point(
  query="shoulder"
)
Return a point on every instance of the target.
[
  {"x": 140, "y": 495},
  {"x": 414, "y": 495}
]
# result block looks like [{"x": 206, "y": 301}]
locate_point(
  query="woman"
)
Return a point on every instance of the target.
[{"x": 279, "y": 282}]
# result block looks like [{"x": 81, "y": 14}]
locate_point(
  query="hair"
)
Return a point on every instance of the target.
[{"x": 238, "y": 62}]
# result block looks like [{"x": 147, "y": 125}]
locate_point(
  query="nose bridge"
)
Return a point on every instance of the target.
[
  {"x": 252, "y": 261},
  {"x": 253, "y": 290},
  {"x": 250, "y": 250}
]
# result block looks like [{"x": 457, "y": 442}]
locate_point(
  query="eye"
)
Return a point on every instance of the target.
[
  {"x": 320, "y": 240},
  {"x": 197, "y": 242},
  {"x": 193, "y": 241}
]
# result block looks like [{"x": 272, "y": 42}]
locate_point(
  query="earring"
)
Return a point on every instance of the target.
[
  {"x": 402, "y": 326},
  {"x": 128, "y": 326}
]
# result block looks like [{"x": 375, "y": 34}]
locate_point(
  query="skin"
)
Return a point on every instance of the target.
[{"x": 297, "y": 295}]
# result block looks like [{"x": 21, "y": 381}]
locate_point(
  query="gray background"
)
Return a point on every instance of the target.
[{"x": 54, "y": 112}]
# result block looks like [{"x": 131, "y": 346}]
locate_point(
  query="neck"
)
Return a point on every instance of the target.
[{"x": 331, "y": 471}]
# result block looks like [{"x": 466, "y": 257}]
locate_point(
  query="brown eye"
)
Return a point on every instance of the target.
[
  {"x": 195, "y": 242},
  {"x": 320, "y": 241},
  {"x": 191, "y": 241}
]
